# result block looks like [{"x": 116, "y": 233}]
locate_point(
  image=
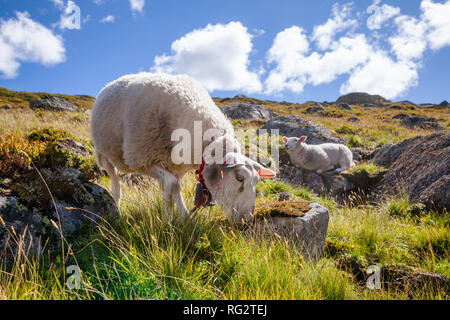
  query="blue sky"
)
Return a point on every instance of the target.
[{"x": 281, "y": 50}]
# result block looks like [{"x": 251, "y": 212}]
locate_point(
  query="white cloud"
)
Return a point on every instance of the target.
[
  {"x": 380, "y": 14},
  {"x": 58, "y": 4},
  {"x": 217, "y": 56},
  {"x": 436, "y": 15},
  {"x": 108, "y": 19},
  {"x": 137, "y": 5},
  {"x": 409, "y": 42},
  {"x": 382, "y": 75},
  {"x": 98, "y": 2},
  {"x": 324, "y": 34},
  {"x": 24, "y": 40},
  {"x": 294, "y": 69}
]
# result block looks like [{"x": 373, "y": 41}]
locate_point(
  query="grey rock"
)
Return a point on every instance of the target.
[
  {"x": 296, "y": 126},
  {"x": 371, "y": 105},
  {"x": 421, "y": 122},
  {"x": 53, "y": 104},
  {"x": 345, "y": 106},
  {"x": 314, "y": 110},
  {"x": 25, "y": 223},
  {"x": 361, "y": 98},
  {"x": 308, "y": 231},
  {"x": 400, "y": 116},
  {"x": 353, "y": 119},
  {"x": 419, "y": 165},
  {"x": 444, "y": 104},
  {"x": 6, "y": 107},
  {"x": 247, "y": 111}
]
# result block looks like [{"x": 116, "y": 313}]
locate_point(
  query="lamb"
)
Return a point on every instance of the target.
[
  {"x": 319, "y": 158},
  {"x": 133, "y": 123}
]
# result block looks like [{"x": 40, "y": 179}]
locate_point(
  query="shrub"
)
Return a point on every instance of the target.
[
  {"x": 48, "y": 135},
  {"x": 346, "y": 129},
  {"x": 354, "y": 141}
]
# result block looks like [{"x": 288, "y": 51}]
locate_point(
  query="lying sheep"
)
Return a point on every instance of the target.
[
  {"x": 133, "y": 120},
  {"x": 319, "y": 158}
]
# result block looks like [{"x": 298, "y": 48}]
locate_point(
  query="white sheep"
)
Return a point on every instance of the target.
[
  {"x": 133, "y": 120},
  {"x": 319, "y": 158}
]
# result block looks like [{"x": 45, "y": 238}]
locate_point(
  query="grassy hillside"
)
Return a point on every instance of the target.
[
  {"x": 146, "y": 255},
  {"x": 22, "y": 99}
]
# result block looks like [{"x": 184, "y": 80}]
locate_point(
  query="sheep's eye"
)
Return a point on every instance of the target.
[{"x": 239, "y": 178}]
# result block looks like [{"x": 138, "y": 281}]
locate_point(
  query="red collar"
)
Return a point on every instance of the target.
[{"x": 201, "y": 194}]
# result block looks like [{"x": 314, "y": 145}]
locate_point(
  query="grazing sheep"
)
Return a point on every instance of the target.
[
  {"x": 133, "y": 120},
  {"x": 319, "y": 158}
]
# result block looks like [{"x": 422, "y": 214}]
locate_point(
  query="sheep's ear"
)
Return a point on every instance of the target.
[
  {"x": 284, "y": 139},
  {"x": 232, "y": 160}
]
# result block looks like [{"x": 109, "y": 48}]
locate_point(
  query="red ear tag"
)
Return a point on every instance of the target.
[
  {"x": 303, "y": 138},
  {"x": 265, "y": 173},
  {"x": 284, "y": 139}
]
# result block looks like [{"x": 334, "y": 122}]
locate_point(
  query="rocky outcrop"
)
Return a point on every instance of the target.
[
  {"x": 304, "y": 223},
  {"x": 421, "y": 122},
  {"x": 362, "y": 98},
  {"x": 296, "y": 126},
  {"x": 53, "y": 104},
  {"x": 419, "y": 166},
  {"x": 247, "y": 111}
]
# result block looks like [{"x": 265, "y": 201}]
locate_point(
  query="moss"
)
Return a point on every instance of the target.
[
  {"x": 283, "y": 209},
  {"x": 365, "y": 175}
]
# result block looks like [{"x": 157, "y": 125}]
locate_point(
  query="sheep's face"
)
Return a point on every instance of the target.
[
  {"x": 293, "y": 143},
  {"x": 233, "y": 185}
]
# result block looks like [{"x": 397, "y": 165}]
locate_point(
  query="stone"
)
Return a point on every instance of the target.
[
  {"x": 296, "y": 126},
  {"x": 307, "y": 229},
  {"x": 6, "y": 107},
  {"x": 247, "y": 111},
  {"x": 353, "y": 119},
  {"x": 444, "y": 104},
  {"x": 345, "y": 106},
  {"x": 400, "y": 116},
  {"x": 314, "y": 110},
  {"x": 361, "y": 98},
  {"x": 420, "y": 166},
  {"x": 53, "y": 104},
  {"x": 421, "y": 122}
]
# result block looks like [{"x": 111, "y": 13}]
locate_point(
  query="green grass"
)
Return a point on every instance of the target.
[{"x": 148, "y": 255}]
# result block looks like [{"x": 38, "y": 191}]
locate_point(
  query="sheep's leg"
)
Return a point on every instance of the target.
[
  {"x": 172, "y": 189},
  {"x": 330, "y": 167},
  {"x": 115, "y": 180}
]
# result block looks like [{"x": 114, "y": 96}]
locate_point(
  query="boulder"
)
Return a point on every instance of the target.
[
  {"x": 312, "y": 110},
  {"x": 361, "y": 98},
  {"x": 6, "y": 107},
  {"x": 53, "y": 104},
  {"x": 296, "y": 126},
  {"x": 372, "y": 105},
  {"x": 302, "y": 222},
  {"x": 353, "y": 119},
  {"x": 247, "y": 111},
  {"x": 421, "y": 122},
  {"x": 345, "y": 106},
  {"x": 444, "y": 104},
  {"x": 74, "y": 204},
  {"x": 400, "y": 116},
  {"x": 419, "y": 166}
]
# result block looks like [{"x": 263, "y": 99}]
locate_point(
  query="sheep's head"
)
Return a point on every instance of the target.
[
  {"x": 233, "y": 185},
  {"x": 293, "y": 143}
]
